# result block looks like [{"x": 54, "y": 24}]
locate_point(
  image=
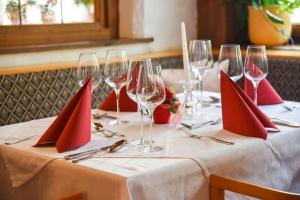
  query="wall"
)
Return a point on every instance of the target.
[{"x": 159, "y": 19}]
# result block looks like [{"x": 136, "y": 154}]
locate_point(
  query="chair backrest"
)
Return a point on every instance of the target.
[
  {"x": 78, "y": 196},
  {"x": 217, "y": 185}
]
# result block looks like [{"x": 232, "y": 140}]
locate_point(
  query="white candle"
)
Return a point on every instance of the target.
[{"x": 185, "y": 52}]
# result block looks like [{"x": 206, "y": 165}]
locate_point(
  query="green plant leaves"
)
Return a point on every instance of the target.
[{"x": 274, "y": 18}]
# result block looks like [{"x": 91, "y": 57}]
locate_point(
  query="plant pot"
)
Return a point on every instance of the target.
[
  {"x": 263, "y": 31},
  {"x": 14, "y": 18},
  {"x": 162, "y": 114}
]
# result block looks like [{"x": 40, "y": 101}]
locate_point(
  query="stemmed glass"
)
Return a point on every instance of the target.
[
  {"x": 230, "y": 61},
  {"x": 151, "y": 93},
  {"x": 131, "y": 89},
  {"x": 115, "y": 73},
  {"x": 201, "y": 61},
  {"x": 88, "y": 67},
  {"x": 256, "y": 66}
]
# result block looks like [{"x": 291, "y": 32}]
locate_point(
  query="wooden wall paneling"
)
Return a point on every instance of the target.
[{"x": 216, "y": 22}]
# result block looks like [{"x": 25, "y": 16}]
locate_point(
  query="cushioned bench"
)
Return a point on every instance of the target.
[{"x": 35, "y": 95}]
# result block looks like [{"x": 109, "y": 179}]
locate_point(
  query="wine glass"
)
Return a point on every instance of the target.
[
  {"x": 88, "y": 67},
  {"x": 201, "y": 61},
  {"x": 131, "y": 88},
  {"x": 256, "y": 66},
  {"x": 151, "y": 93},
  {"x": 230, "y": 61},
  {"x": 115, "y": 73}
]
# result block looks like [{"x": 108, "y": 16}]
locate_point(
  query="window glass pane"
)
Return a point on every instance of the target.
[
  {"x": 41, "y": 11},
  {"x": 46, "y": 11},
  {"x": 78, "y": 11},
  {"x": 9, "y": 12},
  {"x": 296, "y": 16}
]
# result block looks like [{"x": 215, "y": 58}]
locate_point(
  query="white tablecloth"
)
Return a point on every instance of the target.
[{"x": 180, "y": 171}]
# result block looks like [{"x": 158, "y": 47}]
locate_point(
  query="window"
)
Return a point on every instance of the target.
[
  {"x": 44, "y": 22},
  {"x": 296, "y": 24}
]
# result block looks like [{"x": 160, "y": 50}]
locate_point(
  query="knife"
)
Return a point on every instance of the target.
[{"x": 284, "y": 122}]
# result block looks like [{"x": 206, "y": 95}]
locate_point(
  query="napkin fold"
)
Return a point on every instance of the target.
[
  {"x": 266, "y": 94},
  {"x": 126, "y": 104},
  {"x": 72, "y": 127},
  {"x": 162, "y": 114},
  {"x": 240, "y": 114}
]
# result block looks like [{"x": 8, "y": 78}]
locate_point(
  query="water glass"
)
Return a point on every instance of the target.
[
  {"x": 201, "y": 61},
  {"x": 131, "y": 89},
  {"x": 151, "y": 93}
]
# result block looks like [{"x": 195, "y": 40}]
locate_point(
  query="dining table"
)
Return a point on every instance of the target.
[{"x": 180, "y": 170}]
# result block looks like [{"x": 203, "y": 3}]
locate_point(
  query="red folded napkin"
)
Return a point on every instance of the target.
[
  {"x": 266, "y": 94},
  {"x": 126, "y": 104},
  {"x": 162, "y": 114},
  {"x": 72, "y": 127},
  {"x": 240, "y": 115}
]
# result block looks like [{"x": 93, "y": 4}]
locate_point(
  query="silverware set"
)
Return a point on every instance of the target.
[
  {"x": 107, "y": 133},
  {"x": 189, "y": 133},
  {"x": 103, "y": 115},
  {"x": 201, "y": 124},
  {"x": 84, "y": 155}
]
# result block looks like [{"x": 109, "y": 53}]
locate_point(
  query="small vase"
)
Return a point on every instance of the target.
[{"x": 162, "y": 114}]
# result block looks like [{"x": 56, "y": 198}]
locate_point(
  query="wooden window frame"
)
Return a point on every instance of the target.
[
  {"x": 296, "y": 32},
  {"x": 105, "y": 27}
]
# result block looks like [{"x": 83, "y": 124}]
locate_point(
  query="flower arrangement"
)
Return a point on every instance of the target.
[{"x": 162, "y": 114}]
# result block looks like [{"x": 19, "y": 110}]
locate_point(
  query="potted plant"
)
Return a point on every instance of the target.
[
  {"x": 12, "y": 9},
  {"x": 88, "y": 5},
  {"x": 268, "y": 21},
  {"x": 46, "y": 11}
]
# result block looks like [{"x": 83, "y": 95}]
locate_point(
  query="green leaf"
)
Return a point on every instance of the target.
[
  {"x": 255, "y": 5},
  {"x": 274, "y": 18}
]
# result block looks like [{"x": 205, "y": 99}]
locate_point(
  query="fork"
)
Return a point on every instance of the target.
[
  {"x": 202, "y": 124},
  {"x": 192, "y": 135},
  {"x": 18, "y": 140},
  {"x": 291, "y": 108}
]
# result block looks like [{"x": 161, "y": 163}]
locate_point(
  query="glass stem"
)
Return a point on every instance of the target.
[
  {"x": 142, "y": 125},
  {"x": 255, "y": 85},
  {"x": 117, "y": 91},
  {"x": 200, "y": 88},
  {"x": 150, "y": 128}
]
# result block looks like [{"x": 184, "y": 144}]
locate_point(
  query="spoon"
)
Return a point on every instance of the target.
[
  {"x": 87, "y": 154},
  {"x": 99, "y": 127},
  {"x": 104, "y": 115}
]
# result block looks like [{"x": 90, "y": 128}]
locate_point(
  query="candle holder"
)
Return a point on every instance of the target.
[{"x": 188, "y": 105}]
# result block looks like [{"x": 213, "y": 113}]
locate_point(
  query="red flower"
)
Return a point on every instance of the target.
[{"x": 169, "y": 94}]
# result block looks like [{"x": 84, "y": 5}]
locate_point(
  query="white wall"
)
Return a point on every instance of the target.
[{"x": 159, "y": 19}]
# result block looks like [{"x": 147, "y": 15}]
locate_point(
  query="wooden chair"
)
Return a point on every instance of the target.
[
  {"x": 217, "y": 185},
  {"x": 78, "y": 196}
]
